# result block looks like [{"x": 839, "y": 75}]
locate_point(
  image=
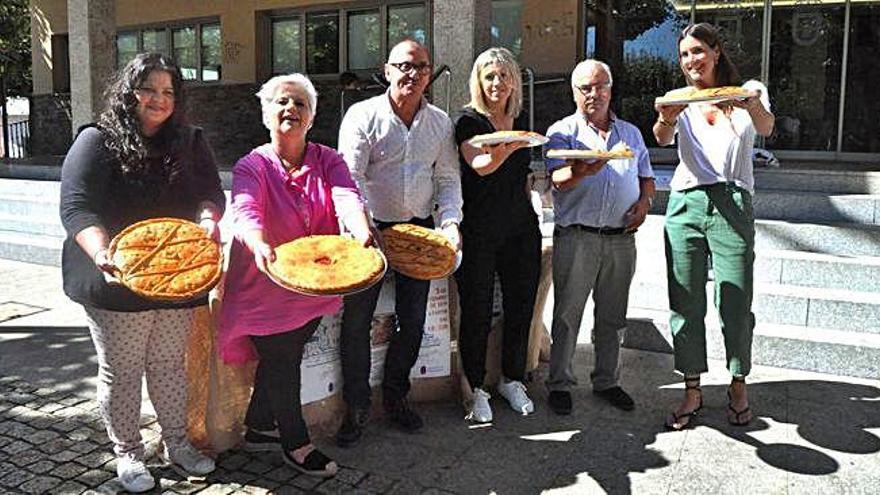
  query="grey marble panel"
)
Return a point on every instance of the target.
[
  {"x": 829, "y": 274},
  {"x": 843, "y": 315},
  {"x": 781, "y": 309},
  {"x": 844, "y": 239}
]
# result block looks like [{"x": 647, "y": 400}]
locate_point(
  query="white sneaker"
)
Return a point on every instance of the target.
[
  {"x": 133, "y": 474},
  {"x": 187, "y": 457},
  {"x": 515, "y": 393},
  {"x": 481, "y": 411}
]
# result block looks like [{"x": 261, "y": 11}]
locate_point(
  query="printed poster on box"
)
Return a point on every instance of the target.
[{"x": 321, "y": 367}]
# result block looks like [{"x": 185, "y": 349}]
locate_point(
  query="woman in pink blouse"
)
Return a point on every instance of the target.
[{"x": 282, "y": 190}]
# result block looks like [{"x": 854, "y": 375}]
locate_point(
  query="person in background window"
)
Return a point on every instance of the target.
[
  {"x": 283, "y": 190},
  {"x": 710, "y": 215},
  {"x": 598, "y": 204},
  {"x": 349, "y": 81},
  {"x": 499, "y": 232},
  {"x": 400, "y": 150},
  {"x": 140, "y": 161}
]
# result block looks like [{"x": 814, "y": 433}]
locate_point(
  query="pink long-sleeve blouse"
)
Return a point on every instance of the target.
[{"x": 265, "y": 196}]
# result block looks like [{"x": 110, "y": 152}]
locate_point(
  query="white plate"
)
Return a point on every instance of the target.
[
  {"x": 684, "y": 99},
  {"x": 706, "y": 99},
  {"x": 589, "y": 154},
  {"x": 533, "y": 139}
]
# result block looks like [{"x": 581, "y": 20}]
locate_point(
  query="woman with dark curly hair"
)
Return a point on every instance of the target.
[{"x": 140, "y": 161}]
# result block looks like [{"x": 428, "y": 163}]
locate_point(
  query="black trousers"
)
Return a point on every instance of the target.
[
  {"x": 410, "y": 305},
  {"x": 276, "y": 400},
  {"x": 517, "y": 259}
]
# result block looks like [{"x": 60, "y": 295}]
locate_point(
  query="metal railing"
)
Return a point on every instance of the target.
[
  {"x": 16, "y": 141},
  {"x": 530, "y": 85}
]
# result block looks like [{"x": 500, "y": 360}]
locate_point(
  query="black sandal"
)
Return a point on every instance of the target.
[
  {"x": 315, "y": 464},
  {"x": 675, "y": 423},
  {"x": 736, "y": 418}
]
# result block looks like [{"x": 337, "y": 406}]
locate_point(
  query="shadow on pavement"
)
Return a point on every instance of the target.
[
  {"x": 824, "y": 414},
  {"x": 57, "y": 358}
]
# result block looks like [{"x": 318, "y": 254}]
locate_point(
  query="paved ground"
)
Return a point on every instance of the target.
[{"x": 813, "y": 433}]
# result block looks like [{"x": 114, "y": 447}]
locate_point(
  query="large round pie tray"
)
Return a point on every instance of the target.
[
  {"x": 166, "y": 259},
  {"x": 412, "y": 250},
  {"x": 364, "y": 285}
]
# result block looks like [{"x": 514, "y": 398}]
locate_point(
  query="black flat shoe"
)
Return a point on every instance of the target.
[
  {"x": 315, "y": 464},
  {"x": 353, "y": 425},
  {"x": 617, "y": 397},
  {"x": 402, "y": 415},
  {"x": 559, "y": 402}
]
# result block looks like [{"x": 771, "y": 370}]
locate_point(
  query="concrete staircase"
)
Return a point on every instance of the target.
[
  {"x": 817, "y": 275},
  {"x": 30, "y": 228},
  {"x": 817, "y": 295}
]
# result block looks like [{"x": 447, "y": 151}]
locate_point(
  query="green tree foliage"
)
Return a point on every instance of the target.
[
  {"x": 15, "y": 46},
  {"x": 646, "y": 77}
]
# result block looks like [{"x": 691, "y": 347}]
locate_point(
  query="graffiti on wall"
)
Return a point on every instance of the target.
[{"x": 231, "y": 51}]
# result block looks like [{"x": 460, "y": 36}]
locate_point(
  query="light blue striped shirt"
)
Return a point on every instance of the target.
[{"x": 603, "y": 199}]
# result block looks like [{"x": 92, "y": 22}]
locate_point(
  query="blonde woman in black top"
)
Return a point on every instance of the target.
[{"x": 499, "y": 232}]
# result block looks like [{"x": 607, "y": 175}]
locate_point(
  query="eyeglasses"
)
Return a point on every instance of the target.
[
  {"x": 410, "y": 68},
  {"x": 151, "y": 93},
  {"x": 586, "y": 89}
]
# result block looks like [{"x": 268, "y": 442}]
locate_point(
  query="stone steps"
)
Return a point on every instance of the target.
[
  {"x": 32, "y": 248},
  {"x": 787, "y": 346},
  {"x": 839, "y": 239},
  {"x": 805, "y": 206},
  {"x": 816, "y": 300},
  {"x": 836, "y": 309},
  {"x": 28, "y": 206},
  {"x": 802, "y": 179},
  {"x": 818, "y": 270},
  {"x": 41, "y": 225}
]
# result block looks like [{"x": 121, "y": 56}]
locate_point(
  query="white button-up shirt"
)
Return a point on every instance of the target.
[{"x": 398, "y": 169}]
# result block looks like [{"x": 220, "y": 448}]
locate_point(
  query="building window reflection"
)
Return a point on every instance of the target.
[
  {"x": 640, "y": 43},
  {"x": 861, "y": 127},
  {"x": 507, "y": 25},
  {"x": 195, "y": 47},
  {"x": 806, "y": 49},
  {"x": 339, "y": 40}
]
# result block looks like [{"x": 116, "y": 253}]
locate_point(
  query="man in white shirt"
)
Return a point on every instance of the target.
[{"x": 400, "y": 150}]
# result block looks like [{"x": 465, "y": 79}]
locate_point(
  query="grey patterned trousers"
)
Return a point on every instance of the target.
[{"x": 128, "y": 346}]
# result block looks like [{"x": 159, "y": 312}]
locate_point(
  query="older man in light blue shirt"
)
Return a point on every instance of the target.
[{"x": 598, "y": 206}]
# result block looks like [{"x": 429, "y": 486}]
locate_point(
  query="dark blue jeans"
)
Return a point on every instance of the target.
[{"x": 410, "y": 305}]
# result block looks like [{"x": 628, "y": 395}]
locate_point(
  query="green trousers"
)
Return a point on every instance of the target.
[{"x": 710, "y": 222}]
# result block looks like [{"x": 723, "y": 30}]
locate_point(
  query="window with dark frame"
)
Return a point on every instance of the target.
[
  {"x": 286, "y": 45},
  {"x": 364, "y": 39},
  {"x": 60, "y": 63},
  {"x": 195, "y": 47},
  {"x": 322, "y": 43},
  {"x": 327, "y": 42}
]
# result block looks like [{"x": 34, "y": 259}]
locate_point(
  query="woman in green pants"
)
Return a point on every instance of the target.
[{"x": 710, "y": 216}]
